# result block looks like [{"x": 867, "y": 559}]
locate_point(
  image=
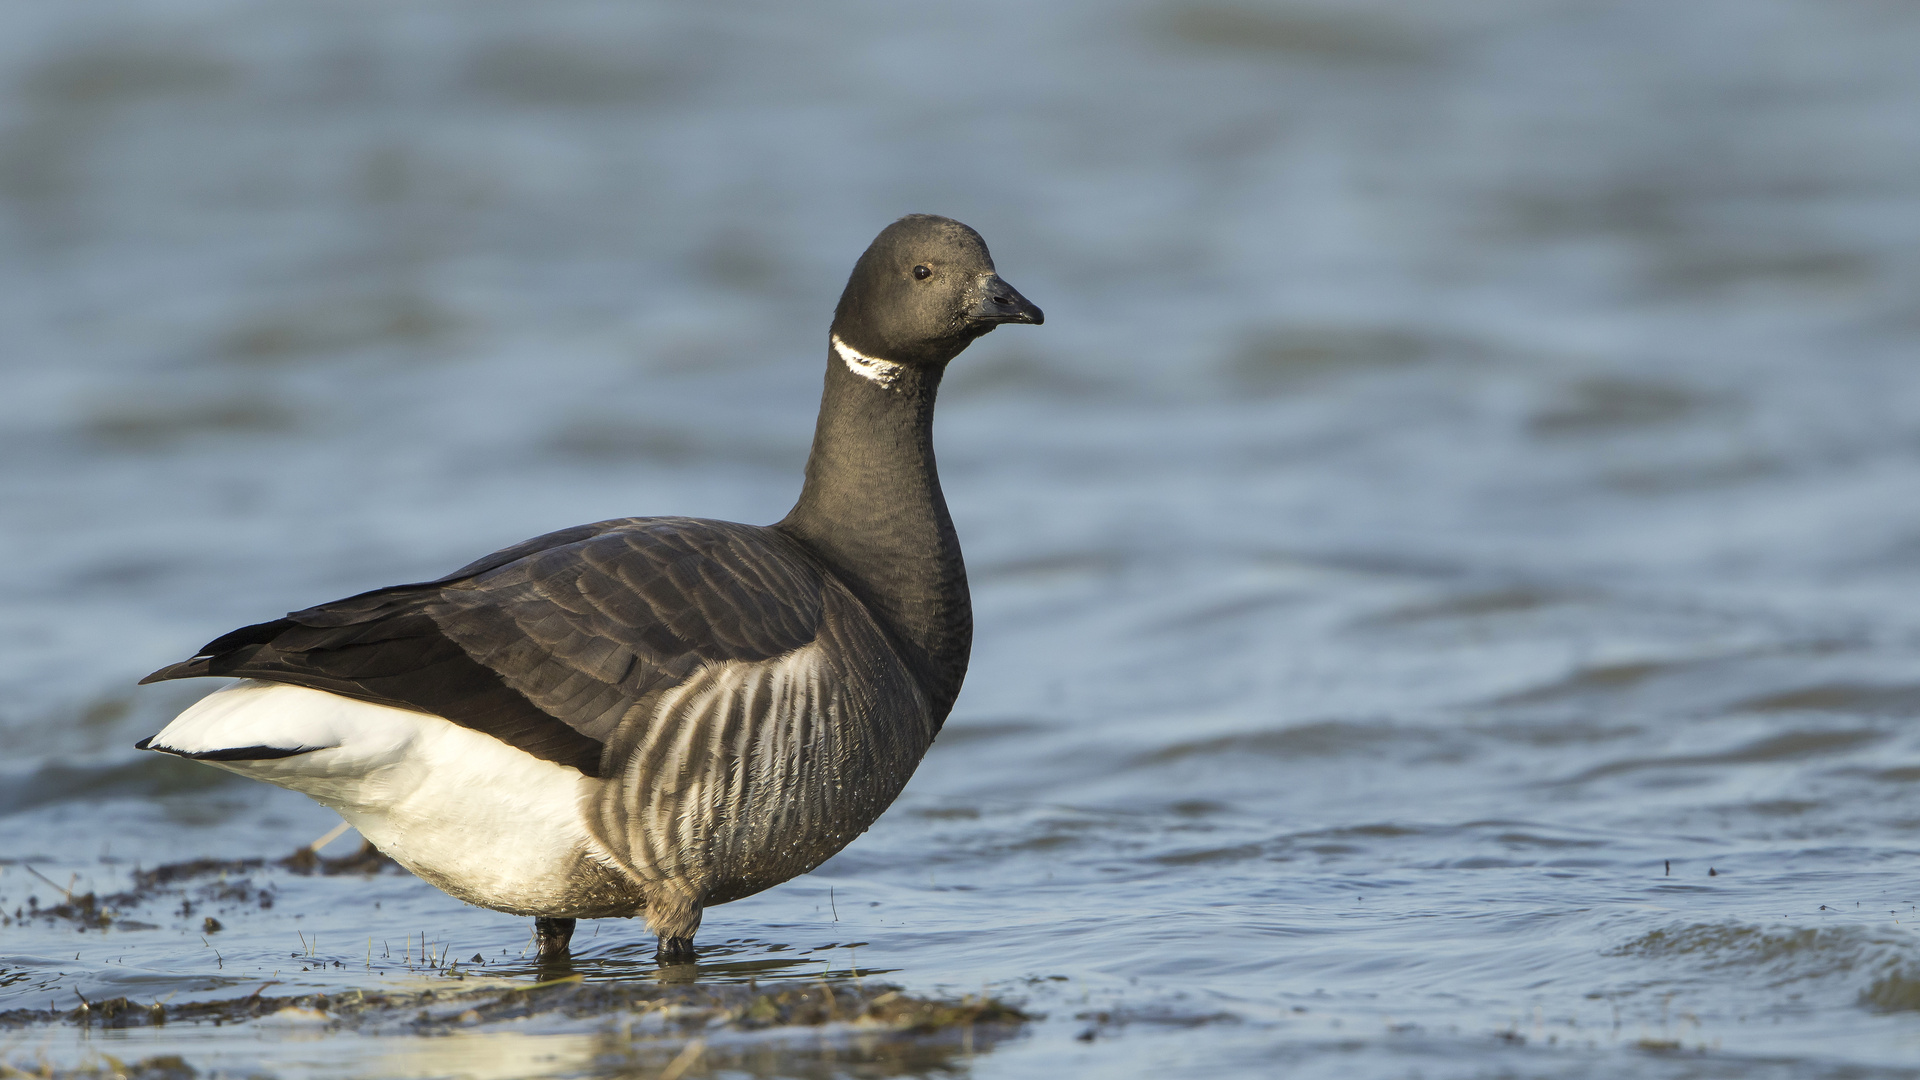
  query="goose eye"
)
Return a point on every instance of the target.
[{"x": 922, "y": 273}]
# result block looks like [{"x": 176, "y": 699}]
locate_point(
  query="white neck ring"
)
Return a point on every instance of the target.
[{"x": 882, "y": 372}]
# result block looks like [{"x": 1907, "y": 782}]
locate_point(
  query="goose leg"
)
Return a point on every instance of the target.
[
  {"x": 553, "y": 935},
  {"x": 675, "y": 950},
  {"x": 673, "y": 914}
]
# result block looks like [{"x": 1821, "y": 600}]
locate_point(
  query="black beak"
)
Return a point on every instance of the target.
[{"x": 999, "y": 302}]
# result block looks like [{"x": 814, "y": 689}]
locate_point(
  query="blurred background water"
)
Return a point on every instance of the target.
[{"x": 1444, "y": 572}]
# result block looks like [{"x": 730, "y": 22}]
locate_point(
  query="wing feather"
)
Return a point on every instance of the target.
[{"x": 550, "y": 644}]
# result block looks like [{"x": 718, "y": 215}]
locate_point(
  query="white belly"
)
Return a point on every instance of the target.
[{"x": 491, "y": 824}]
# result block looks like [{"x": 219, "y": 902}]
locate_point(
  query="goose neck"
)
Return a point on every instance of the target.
[{"x": 872, "y": 510}]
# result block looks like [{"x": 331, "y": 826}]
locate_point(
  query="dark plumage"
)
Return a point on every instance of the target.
[{"x": 733, "y": 703}]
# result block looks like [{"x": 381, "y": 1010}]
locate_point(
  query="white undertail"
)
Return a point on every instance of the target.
[{"x": 485, "y": 821}]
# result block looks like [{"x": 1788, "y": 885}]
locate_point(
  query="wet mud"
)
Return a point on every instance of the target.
[
  {"x": 195, "y": 883},
  {"x": 643, "y": 1030},
  {"x": 688, "y": 1009}
]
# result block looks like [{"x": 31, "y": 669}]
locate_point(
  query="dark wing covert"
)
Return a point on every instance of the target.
[{"x": 548, "y": 644}]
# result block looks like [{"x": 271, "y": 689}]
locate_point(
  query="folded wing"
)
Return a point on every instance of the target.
[{"x": 550, "y": 644}]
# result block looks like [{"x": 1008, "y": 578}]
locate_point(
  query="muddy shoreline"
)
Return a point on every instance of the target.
[{"x": 692, "y": 1008}]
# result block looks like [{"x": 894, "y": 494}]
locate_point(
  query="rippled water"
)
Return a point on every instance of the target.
[{"x": 1445, "y": 571}]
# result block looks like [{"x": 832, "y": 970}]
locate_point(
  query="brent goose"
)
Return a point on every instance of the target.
[{"x": 651, "y": 715}]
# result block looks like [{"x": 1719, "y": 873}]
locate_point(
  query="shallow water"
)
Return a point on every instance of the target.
[{"x": 1444, "y": 572}]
